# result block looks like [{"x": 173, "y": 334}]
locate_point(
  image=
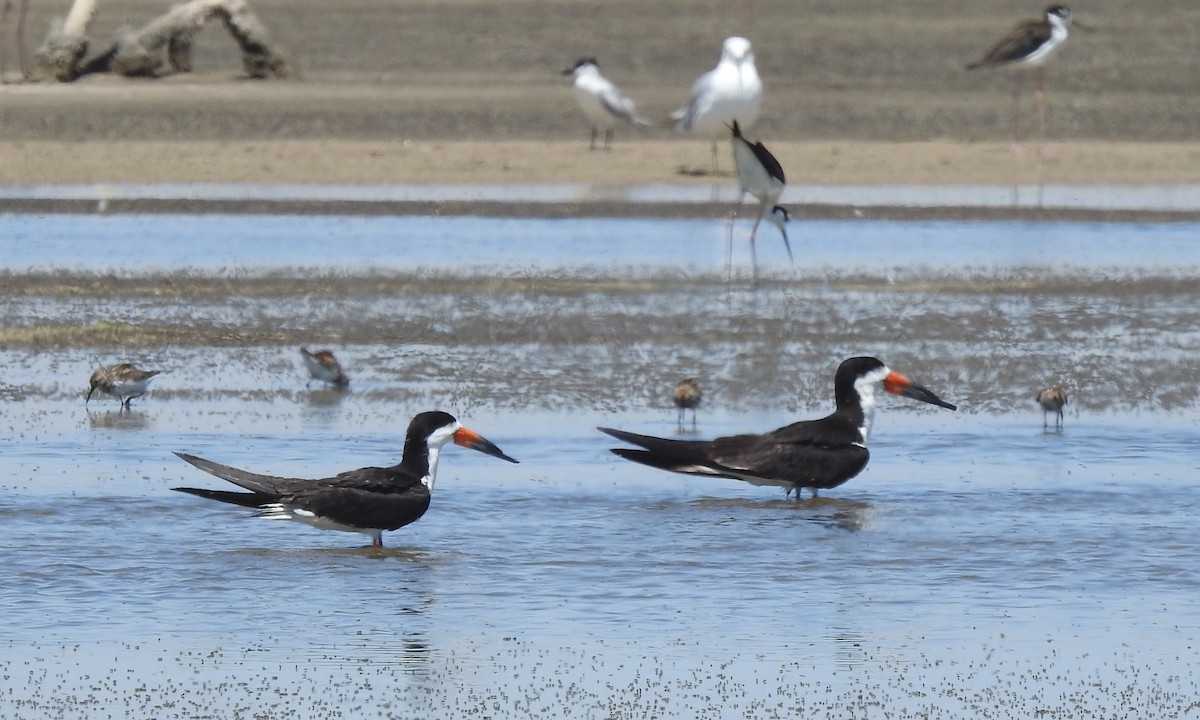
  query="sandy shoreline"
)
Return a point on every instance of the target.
[
  {"x": 462, "y": 92},
  {"x": 553, "y": 165},
  {"x": 630, "y": 162}
]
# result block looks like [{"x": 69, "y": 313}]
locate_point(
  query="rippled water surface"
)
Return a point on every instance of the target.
[{"x": 982, "y": 566}]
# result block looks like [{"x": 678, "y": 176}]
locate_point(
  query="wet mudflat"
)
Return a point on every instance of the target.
[{"x": 980, "y": 565}]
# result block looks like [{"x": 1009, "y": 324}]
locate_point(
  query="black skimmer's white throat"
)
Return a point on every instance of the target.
[
  {"x": 1027, "y": 48},
  {"x": 687, "y": 396},
  {"x": 324, "y": 367},
  {"x": 730, "y": 92},
  {"x": 1052, "y": 400},
  {"x": 601, "y": 101},
  {"x": 368, "y": 500},
  {"x": 123, "y": 381},
  {"x": 761, "y": 175},
  {"x": 816, "y": 454}
]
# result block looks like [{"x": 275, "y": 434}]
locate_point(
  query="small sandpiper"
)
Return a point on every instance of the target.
[
  {"x": 323, "y": 366},
  {"x": 123, "y": 381}
]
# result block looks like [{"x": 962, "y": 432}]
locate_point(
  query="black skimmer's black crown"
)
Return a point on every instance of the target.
[
  {"x": 368, "y": 500},
  {"x": 816, "y": 454}
]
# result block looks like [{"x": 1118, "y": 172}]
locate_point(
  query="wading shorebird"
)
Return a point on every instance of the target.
[
  {"x": 731, "y": 92},
  {"x": 368, "y": 500},
  {"x": 761, "y": 175},
  {"x": 815, "y": 454},
  {"x": 601, "y": 101},
  {"x": 1026, "y": 49},
  {"x": 687, "y": 396},
  {"x": 123, "y": 381},
  {"x": 1052, "y": 400},
  {"x": 323, "y": 366}
]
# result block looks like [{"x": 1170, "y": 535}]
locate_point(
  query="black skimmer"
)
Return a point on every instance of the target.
[
  {"x": 815, "y": 454},
  {"x": 761, "y": 175},
  {"x": 123, "y": 381},
  {"x": 1028, "y": 47},
  {"x": 368, "y": 500},
  {"x": 687, "y": 396},
  {"x": 1052, "y": 400},
  {"x": 323, "y": 366},
  {"x": 601, "y": 101},
  {"x": 732, "y": 91}
]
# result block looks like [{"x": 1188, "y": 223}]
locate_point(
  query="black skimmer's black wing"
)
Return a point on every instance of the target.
[
  {"x": 816, "y": 454},
  {"x": 368, "y": 500}
]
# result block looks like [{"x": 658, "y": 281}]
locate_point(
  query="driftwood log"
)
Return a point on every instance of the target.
[{"x": 161, "y": 47}]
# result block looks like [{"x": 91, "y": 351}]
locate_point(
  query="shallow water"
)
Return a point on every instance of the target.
[
  {"x": 484, "y": 245},
  {"x": 980, "y": 566}
]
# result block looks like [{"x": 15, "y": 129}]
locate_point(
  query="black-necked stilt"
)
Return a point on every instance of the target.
[
  {"x": 601, "y": 101},
  {"x": 761, "y": 175},
  {"x": 687, "y": 396},
  {"x": 1052, "y": 400},
  {"x": 22, "y": 14},
  {"x": 730, "y": 92},
  {"x": 369, "y": 500},
  {"x": 123, "y": 381},
  {"x": 1026, "y": 48},
  {"x": 816, "y": 454},
  {"x": 324, "y": 367}
]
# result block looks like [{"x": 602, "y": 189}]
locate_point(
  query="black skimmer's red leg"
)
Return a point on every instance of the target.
[
  {"x": 123, "y": 381},
  {"x": 760, "y": 174},
  {"x": 323, "y": 366},
  {"x": 1052, "y": 400},
  {"x": 1028, "y": 47},
  {"x": 368, "y": 500},
  {"x": 815, "y": 454}
]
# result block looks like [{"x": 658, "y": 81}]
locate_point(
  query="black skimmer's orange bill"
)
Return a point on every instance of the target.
[
  {"x": 323, "y": 366},
  {"x": 1052, "y": 400},
  {"x": 123, "y": 381},
  {"x": 368, "y": 500},
  {"x": 1028, "y": 47},
  {"x": 601, "y": 101},
  {"x": 687, "y": 396},
  {"x": 760, "y": 174},
  {"x": 815, "y": 454}
]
